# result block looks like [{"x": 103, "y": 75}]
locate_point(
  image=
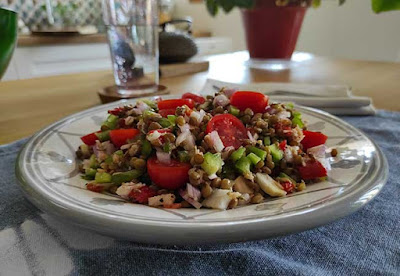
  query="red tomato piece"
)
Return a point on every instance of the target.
[
  {"x": 90, "y": 139},
  {"x": 313, "y": 139},
  {"x": 194, "y": 97},
  {"x": 313, "y": 169},
  {"x": 170, "y": 176},
  {"x": 115, "y": 111},
  {"x": 247, "y": 99},
  {"x": 230, "y": 129},
  {"x": 282, "y": 145},
  {"x": 165, "y": 112},
  {"x": 95, "y": 187},
  {"x": 173, "y": 206},
  {"x": 173, "y": 104},
  {"x": 119, "y": 136},
  {"x": 142, "y": 195},
  {"x": 288, "y": 186}
]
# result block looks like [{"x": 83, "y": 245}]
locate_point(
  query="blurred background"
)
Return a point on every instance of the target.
[{"x": 58, "y": 36}]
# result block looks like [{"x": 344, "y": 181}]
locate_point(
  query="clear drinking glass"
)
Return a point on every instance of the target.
[{"x": 132, "y": 30}]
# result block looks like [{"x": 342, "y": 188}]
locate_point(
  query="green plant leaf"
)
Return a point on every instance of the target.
[
  {"x": 247, "y": 4},
  {"x": 212, "y": 7},
  {"x": 227, "y": 5},
  {"x": 385, "y": 5},
  {"x": 316, "y": 3},
  {"x": 341, "y": 2}
]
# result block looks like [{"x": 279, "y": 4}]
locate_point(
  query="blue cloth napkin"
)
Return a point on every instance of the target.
[{"x": 365, "y": 243}]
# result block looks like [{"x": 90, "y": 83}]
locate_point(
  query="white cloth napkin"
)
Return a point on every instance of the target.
[{"x": 335, "y": 99}]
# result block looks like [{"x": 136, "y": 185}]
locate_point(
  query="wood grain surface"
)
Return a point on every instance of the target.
[{"x": 28, "y": 105}]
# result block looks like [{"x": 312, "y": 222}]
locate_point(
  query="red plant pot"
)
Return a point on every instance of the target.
[{"x": 272, "y": 31}]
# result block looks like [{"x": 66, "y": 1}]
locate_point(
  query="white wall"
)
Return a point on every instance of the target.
[
  {"x": 350, "y": 31},
  {"x": 229, "y": 25}
]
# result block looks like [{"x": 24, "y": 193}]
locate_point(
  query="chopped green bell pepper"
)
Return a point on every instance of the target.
[
  {"x": 234, "y": 111},
  {"x": 110, "y": 123},
  {"x": 243, "y": 165},
  {"x": 267, "y": 141},
  {"x": 254, "y": 159},
  {"x": 102, "y": 177},
  {"x": 212, "y": 163},
  {"x": 150, "y": 103},
  {"x": 90, "y": 173},
  {"x": 103, "y": 136},
  {"x": 297, "y": 119},
  {"x": 259, "y": 152},
  {"x": 167, "y": 147},
  {"x": 237, "y": 154},
  {"x": 164, "y": 122},
  {"x": 276, "y": 153},
  {"x": 93, "y": 162},
  {"x": 172, "y": 119},
  {"x": 146, "y": 148},
  {"x": 122, "y": 177}
]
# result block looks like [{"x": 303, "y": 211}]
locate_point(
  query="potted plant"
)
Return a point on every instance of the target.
[{"x": 273, "y": 26}]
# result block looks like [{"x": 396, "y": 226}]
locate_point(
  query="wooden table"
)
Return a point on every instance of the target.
[{"x": 28, "y": 105}]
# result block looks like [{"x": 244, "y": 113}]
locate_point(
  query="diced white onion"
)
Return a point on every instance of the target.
[
  {"x": 191, "y": 201},
  {"x": 288, "y": 155},
  {"x": 283, "y": 114},
  {"x": 221, "y": 100},
  {"x": 317, "y": 151},
  {"x": 252, "y": 138},
  {"x": 216, "y": 141},
  {"x": 141, "y": 106},
  {"x": 193, "y": 192},
  {"x": 126, "y": 188},
  {"x": 86, "y": 164},
  {"x": 229, "y": 92},
  {"x": 219, "y": 199},
  {"x": 153, "y": 136},
  {"x": 186, "y": 137},
  {"x": 185, "y": 127},
  {"x": 109, "y": 148},
  {"x": 163, "y": 157}
]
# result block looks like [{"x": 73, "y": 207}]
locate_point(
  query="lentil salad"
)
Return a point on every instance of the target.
[{"x": 222, "y": 151}]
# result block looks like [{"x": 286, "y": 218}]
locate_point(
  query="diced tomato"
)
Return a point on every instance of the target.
[
  {"x": 170, "y": 176},
  {"x": 173, "y": 104},
  {"x": 313, "y": 139},
  {"x": 90, "y": 139},
  {"x": 248, "y": 99},
  {"x": 313, "y": 169},
  {"x": 119, "y": 136},
  {"x": 282, "y": 145},
  {"x": 230, "y": 129},
  {"x": 142, "y": 195},
  {"x": 95, "y": 187},
  {"x": 194, "y": 97},
  {"x": 173, "y": 206},
  {"x": 115, "y": 111},
  {"x": 288, "y": 186},
  {"x": 165, "y": 112}
]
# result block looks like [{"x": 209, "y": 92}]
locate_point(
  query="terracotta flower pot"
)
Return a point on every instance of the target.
[{"x": 272, "y": 31}]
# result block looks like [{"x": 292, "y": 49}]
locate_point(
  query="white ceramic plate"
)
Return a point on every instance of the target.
[{"x": 48, "y": 173}]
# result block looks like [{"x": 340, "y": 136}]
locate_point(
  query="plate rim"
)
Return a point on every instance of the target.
[{"x": 51, "y": 205}]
